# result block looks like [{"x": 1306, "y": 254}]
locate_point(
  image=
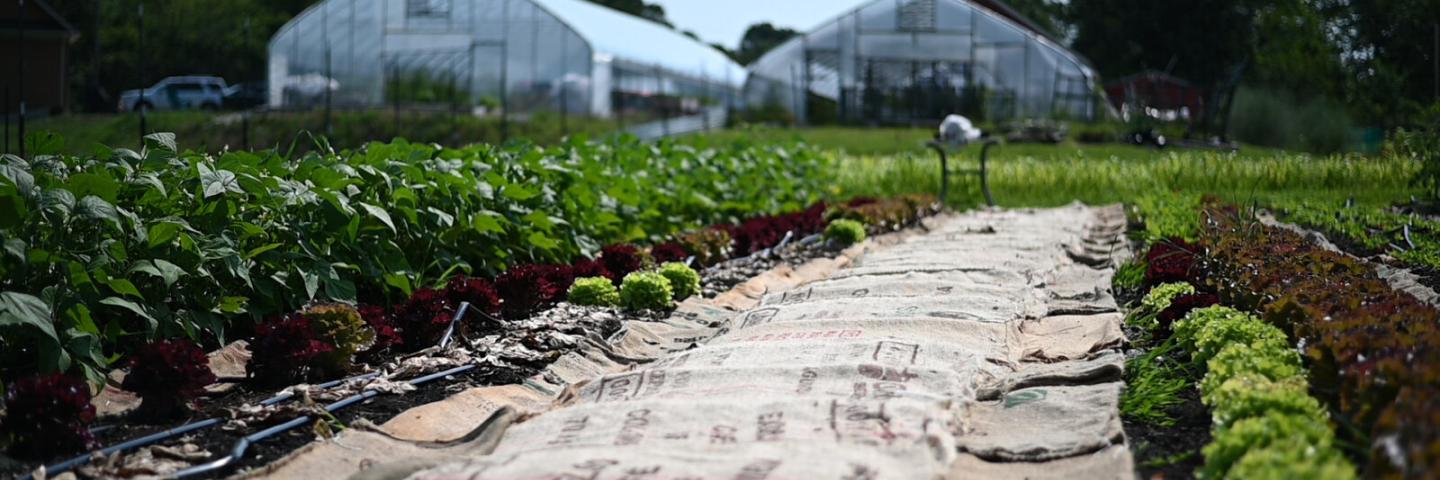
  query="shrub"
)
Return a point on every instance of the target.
[
  {"x": 1240, "y": 358},
  {"x": 845, "y": 232},
  {"x": 645, "y": 291},
  {"x": 668, "y": 252},
  {"x": 1247, "y": 395},
  {"x": 285, "y": 350},
  {"x": 623, "y": 259},
  {"x": 684, "y": 281},
  {"x": 341, "y": 327},
  {"x": 1286, "y": 459},
  {"x": 168, "y": 375},
  {"x": 594, "y": 291},
  {"x": 46, "y": 415},
  {"x": 709, "y": 246},
  {"x": 1251, "y": 434}
]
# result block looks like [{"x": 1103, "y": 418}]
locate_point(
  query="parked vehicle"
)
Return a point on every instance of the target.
[
  {"x": 178, "y": 93},
  {"x": 247, "y": 95}
]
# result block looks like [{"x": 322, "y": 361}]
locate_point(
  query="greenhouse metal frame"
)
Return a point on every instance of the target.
[
  {"x": 915, "y": 61},
  {"x": 568, "y": 57}
]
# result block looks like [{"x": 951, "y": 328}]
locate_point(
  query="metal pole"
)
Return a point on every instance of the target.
[
  {"x": 21, "y": 71},
  {"x": 659, "y": 90},
  {"x": 505, "y": 72},
  {"x": 1435, "y": 58},
  {"x": 245, "y": 116},
  {"x": 6, "y": 101},
  {"x": 140, "y": 106},
  {"x": 329, "y": 72},
  {"x": 395, "y": 95}
]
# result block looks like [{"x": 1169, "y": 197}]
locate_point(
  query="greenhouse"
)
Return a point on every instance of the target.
[
  {"x": 913, "y": 61},
  {"x": 517, "y": 56}
]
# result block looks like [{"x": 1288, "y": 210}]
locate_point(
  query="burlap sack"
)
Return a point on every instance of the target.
[
  {"x": 918, "y": 430},
  {"x": 990, "y": 340},
  {"x": 370, "y": 455},
  {"x": 741, "y": 384},
  {"x": 1069, "y": 337},
  {"x": 1114, "y": 463},
  {"x": 750, "y": 462},
  {"x": 930, "y": 286},
  {"x": 981, "y": 307},
  {"x": 1044, "y": 423}
]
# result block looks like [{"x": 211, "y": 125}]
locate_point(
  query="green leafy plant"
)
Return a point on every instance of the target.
[
  {"x": 1247, "y": 395},
  {"x": 594, "y": 291},
  {"x": 845, "y": 232},
  {"x": 105, "y": 250},
  {"x": 646, "y": 291},
  {"x": 1155, "y": 301},
  {"x": 684, "y": 281},
  {"x": 1290, "y": 458},
  {"x": 342, "y": 327},
  {"x": 1130, "y": 275},
  {"x": 1259, "y": 359},
  {"x": 1257, "y": 433},
  {"x": 1213, "y": 328}
]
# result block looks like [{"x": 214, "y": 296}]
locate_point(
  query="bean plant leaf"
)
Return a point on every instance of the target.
[
  {"x": 164, "y": 140},
  {"x": 20, "y": 309},
  {"x": 102, "y": 186},
  {"x": 23, "y": 181},
  {"x": 379, "y": 214},
  {"x": 95, "y": 208},
  {"x": 162, "y": 233},
  {"x": 543, "y": 242},
  {"x": 486, "y": 223},
  {"x": 219, "y": 182},
  {"x": 124, "y": 287},
  {"x": 160, "y": 268},
  {"x": 133, "y": 308}
]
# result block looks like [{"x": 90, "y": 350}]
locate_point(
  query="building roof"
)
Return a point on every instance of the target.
[
  {"x": 639, "y": 41},
  {"x": 56, "y": 25}
]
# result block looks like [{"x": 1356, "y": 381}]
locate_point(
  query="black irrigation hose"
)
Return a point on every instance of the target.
[
  {"x": 243, "y": 444},
  {"x": 175, "y": 432},
  {"x": 210, "y": 422}
]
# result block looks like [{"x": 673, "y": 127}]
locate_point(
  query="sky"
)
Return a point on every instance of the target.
[{"x": 725, "y": 21}]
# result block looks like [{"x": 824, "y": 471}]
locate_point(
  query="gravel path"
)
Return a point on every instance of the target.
[{"x": 980, "y": 347}]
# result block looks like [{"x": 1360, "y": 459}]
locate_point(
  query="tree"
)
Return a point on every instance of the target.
[
  {"x": 1390, "y": 54},
  {"x": 760, "y": 38},
  {"x": 1199, "y": 40},
  {"x": 1047, "y": 14},
  {"x": 639, "y": 8}
]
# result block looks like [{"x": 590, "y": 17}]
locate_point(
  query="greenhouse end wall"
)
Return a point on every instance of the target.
[
  {"x": 915, "y": 61},
  {"x": 488, "y": 56}
]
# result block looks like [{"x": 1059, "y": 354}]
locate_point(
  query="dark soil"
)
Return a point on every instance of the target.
[
  {"x": 1174, "y": 451},
  {"x": 723, "y": 276}
]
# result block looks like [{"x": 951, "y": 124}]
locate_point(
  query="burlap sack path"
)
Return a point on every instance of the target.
[{"x": 981, "y": 348}]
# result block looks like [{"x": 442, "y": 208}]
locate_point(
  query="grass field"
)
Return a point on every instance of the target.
[
  {"x": 895, "y": 141},
  {"x": 883, "y": 162}
]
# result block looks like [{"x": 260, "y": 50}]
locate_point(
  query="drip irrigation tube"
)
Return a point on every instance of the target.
[
  {"x": 243, "y": 444},
  {"x": 176, "y": 431}
]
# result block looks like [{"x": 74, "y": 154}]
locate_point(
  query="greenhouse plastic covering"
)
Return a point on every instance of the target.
[
  {"x": 913, "y": 60},
  {"x": 562, "y": 56}
]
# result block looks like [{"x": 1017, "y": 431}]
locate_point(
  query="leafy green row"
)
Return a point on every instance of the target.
[
  {"x": 1266, "y": 425},
  {"x": 105, "y": 251},
  {"x": 1412, "y": 239}
]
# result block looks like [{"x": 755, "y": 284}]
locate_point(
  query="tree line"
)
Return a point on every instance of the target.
[{"x": 1375, "y": 57}]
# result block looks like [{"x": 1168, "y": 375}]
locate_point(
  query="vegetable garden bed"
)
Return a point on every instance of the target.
[
  {"x": 1320, "y": 369},
  {"x": 144, "y": 259}
]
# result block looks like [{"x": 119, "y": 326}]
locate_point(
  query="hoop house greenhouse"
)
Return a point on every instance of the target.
[
  {"x": 906, "y": 61},
  {"x": 519, "y": 56}
]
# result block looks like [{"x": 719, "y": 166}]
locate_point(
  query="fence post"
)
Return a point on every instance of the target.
[
  {"x": 21, "y": 56},
  {"x": 139, "y": 105}
]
